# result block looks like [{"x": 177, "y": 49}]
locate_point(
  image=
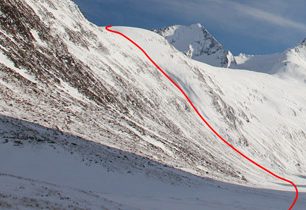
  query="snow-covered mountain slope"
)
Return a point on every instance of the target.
[
  {"x": 61, "y": 72},
  {"x": 197, "y": 43},
  {"x": 289, "y": 65},
  {"x": 236, "y": 113},
  {"x": 293, "y": 63}
]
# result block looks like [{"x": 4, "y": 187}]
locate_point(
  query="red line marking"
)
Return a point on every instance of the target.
[{"x": 205, "y": 121}]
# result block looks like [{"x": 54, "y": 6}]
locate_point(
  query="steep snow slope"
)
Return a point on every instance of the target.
[
  {"x": 197, "y": 43},
  {"x": 60, "y": 71},
  {"x": 81, "y": 75},
  {"x": 239, "y": 103},
  {"x": 289, "y": 65}
]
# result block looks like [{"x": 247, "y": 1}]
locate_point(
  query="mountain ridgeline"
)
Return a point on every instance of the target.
[{"x": 197, "y": 43}]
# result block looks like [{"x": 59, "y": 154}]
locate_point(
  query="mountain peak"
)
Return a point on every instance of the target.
[
  {"x": 197, "y": 43},
  {"x": 303, "y": 42}
]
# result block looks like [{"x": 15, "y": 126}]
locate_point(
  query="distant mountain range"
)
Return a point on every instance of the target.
[{"x": 197, "y": 43}]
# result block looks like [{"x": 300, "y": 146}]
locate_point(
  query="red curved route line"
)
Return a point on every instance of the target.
[{"x": 205, "y": 121}]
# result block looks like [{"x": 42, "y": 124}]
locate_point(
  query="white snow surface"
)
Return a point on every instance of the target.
[
  {"x": 107, "y": 159},
  {"x": 42, "y": 176}
]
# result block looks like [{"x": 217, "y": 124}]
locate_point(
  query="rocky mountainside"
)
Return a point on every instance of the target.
[
  {"x": 85, "y": 118},
  {"x": 197, "y": 43},
  {"x": 60, "y": 71}
]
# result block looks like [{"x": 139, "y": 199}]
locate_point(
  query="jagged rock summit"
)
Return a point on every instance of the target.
[{"x": 197, "y": 43}]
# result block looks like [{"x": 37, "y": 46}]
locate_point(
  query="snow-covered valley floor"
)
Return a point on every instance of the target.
[{"x": 66, "y": 172}]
